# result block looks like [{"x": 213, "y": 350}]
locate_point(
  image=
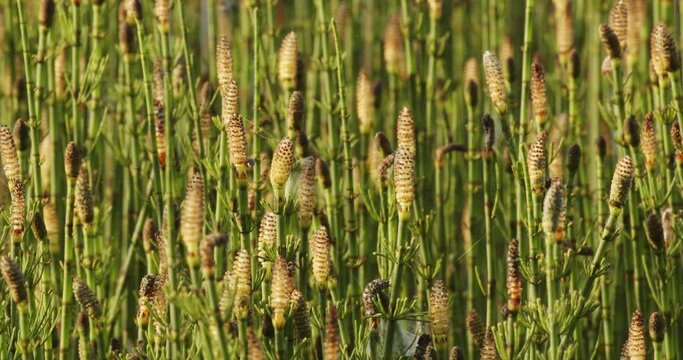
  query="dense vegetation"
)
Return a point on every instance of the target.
[{"x": 341, "y": 179}]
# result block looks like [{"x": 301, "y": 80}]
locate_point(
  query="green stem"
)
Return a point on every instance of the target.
[
  {"x": 244, "y": 344},
  {"x": 220, "y": 186},
  {"x": 431, "y": 74},
  {"x": 395, "y": 289},
  {"x": 617, "y": 79},
  {"x": 168, "y": 193},
  {"x": 343, "y": 337},
  {"x": 523, "y": 103},
  {"x": 33, "y": 122},
  {"x": 123, "y": 270},
  {"x": 678, "y": 96},
  {"x": 322, "y": 301},
  {"x": 350, "y": 226},
  {"x": 194, "y": 111},
  {"x": 281, "y": 221},
  {"x": 406, "y": 23},
  {"x": 522, "y": 128},
  {"x": 573, "y": 117},
  {"x": 490, "y": 276},
  {"x": 605, "y": 304},
  {"x": 88, "y": 259},
  {"x": 550, "y": 264},
  {"x": 210, "y": 284},
  {"x": 303, "y": 263},
  {"x": 256, "y": 133},
  {"x": 130, "y": 199},
  {"x": 326, "y": 99},
  {"x": 66, "y": 275},
  {"x": 147, "y": 86},
  {"x": 471, "y": 250},
  {"x": 510, "y": 335},
  {"x": 606, "y": 237},
  {"x": 55, "y": 115},
  {"x": 204, "y": 330},
  {"x": 211, "y": 35},
  {"x": 279, "y": 344},
  {"x": 244, "y": 219},
  {"x": 95, "y": 56},
  {"x": 24, "y": 330},
  {"x": 657, "y": 351},
  {"x": 77, "y": 126},
  {"x": 665, "y": 301}
]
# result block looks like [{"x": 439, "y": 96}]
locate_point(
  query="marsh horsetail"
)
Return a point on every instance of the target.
[{"x": 341, "y": 179}]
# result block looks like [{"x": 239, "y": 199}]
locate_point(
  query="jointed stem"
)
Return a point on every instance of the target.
[
  {"x": 190, "y": 86},
  {"x": 606, "y": 237},
  {"x": 395, "y": 288},
  {"x": 551, "y": 288},
  {"x": 34, "y": 123},
  {"x": 76, "y": 123},
  {"x": 350, "y": 226},
  {"x": 156, "y": 168},
  {"x": 168, "y": 194},
  {"x": 490, "y": 276},
  {"x": 244, "y": 344},
  {"x": 65, "y": 334},
  {"x": 326, "y": 96},
  {"x": 24, "y": 348}
]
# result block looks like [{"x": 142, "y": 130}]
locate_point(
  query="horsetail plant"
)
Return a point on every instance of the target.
[{"x": 210, "y": 180}]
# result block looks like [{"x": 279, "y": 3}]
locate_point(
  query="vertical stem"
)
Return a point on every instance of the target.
[
  {"x": 606, "y": 237},
  {"x": 244, "y": 344},
  {"x": 54, "y": 127},
  {"x": 528, "y": 33},
  {"x": 574, "y": 126},
  {"x": 65, "y": 334},
  {"x": 669, "y": 338},
  {"x": 88, "y": 259},
  {"x": 156, "y": 168},
  {"x": 657, "y": 351},
  {"x": 490, "y": 276},
  {"x": 168, "y": 193},
  {"x": 617, "y": 79},
  {"x": 279, "y": 207},
  {"x": 77, "y": 126},
  {"x": 326, "y": 81},
  {"x": 256, "y": 133},
  {"x": 24, "y": 348},
  {"x": 510, "y": 335},
  {"x": 211, "y": 35},
  {"x": 190, "y": 84},
  {"x": 350, "y": 226},
  {"x": 431, "y": 74},
  {"x": 322, "y": 302},
  {"x": 605, "y": 304},
  {"x": 130, "y": 199},
  {"x": 550, "y": 262},
  {"x": 677, "y": 95},
  {"x": 123, "y": 269},
  {"x": 406, "y": 23},
  {"x": 33, "y": 122},
  {"x": 213, "y": 302},
  {"x": 303, "y": 263},
  {"x": 395, "y": 288},
  {"x": 470, "y": 253},
  {"x": 343, "y": 338},
  {"x": 202, "y": 328},
  {"x": 95, "y": 56},
  {"x": 522, "y": 128}
]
